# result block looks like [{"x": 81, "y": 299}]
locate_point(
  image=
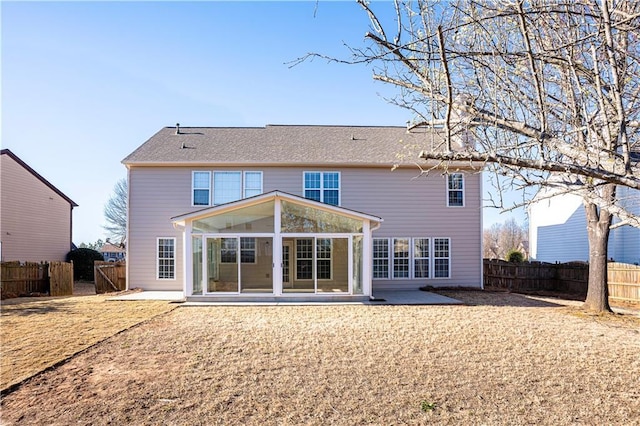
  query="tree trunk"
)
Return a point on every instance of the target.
[{"x": 598, "y": 225}]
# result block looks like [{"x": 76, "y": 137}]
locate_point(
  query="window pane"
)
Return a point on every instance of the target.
[
  {"x": 331, "y": 180},
  {"x": 256, "y": 218},
  {"x": 421, "y": 247},
  {"x": 455, "y": 181},
  {"x": 455, "y": 198},
  {"x": 421, "y": 268},
  {"x": 228, "y": 250},
  {"x": 441, "y": 268},
  {"x": 200, "y": 197},
  {"x": 201, "y": 180},
  {"x": 311, "y": 180},
  {"x": 331, "y": 197},
  {"x": 227, "y": 187},
  {"x": 298, "y": 218},
  {"x": 312, "y": 194},
  {"x": 248, "y": 250}
]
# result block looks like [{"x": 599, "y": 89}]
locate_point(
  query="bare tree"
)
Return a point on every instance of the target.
[
  {"x": 541, "y": 93},
  {"x": 115, "y": 212},
  {"x": 501, "y": 238}
]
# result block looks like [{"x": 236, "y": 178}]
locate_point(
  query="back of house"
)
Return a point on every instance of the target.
[{"x": 299, "y": 211}]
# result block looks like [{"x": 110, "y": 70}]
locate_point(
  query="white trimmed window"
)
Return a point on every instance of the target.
[
  {"x": 401, "y": 256},
  {"x": 220, "y": 187},
  {"x": 200, "y": 188},
  {"x": 455, "y": 190},
  {"x": 322, "y": 186},
  {"x": 304, "y": 259},
  {"x": 380, "y": 258},
  {"x": 252, "y": 184},
  {"x": 229, "y": 250},
  {"x": 421, "y": 257},
  {"x": 411, "y": 258},
  {"x": 247, "y": 250},
  {"x": 166, "y": 258},
  {"x": 441, "y": 258},
  {"x": 323, "y": 258},
  {"x": 227, "y": 187}
]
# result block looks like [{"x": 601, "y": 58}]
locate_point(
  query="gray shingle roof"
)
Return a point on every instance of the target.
[{"x": 284, "y": 144}]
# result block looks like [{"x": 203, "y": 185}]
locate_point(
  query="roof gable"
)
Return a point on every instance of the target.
[{"x": 15, "y": 158}]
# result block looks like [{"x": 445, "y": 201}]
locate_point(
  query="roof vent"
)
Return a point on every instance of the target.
[{"x": 177, "y": 128}]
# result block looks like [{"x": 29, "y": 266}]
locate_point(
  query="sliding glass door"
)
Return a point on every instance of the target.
[{"x": 239, "y": 264}]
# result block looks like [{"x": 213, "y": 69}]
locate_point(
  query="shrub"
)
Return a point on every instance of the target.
[
  {"x": 82, "y": 259},
  {"x": 515, "y": 256}
]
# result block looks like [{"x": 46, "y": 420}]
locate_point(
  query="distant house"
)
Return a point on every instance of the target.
[
  {"x": 112, "y": 252},
  {"x": 558, "y": 229},
  {"x": 298, "y": 212},
  {"x": 35, "y": 216}
]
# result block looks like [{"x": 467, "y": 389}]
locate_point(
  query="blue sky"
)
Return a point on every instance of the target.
[{"x": 85, "y": 83}]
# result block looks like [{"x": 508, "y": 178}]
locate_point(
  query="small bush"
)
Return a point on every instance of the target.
[
  {"x": 82, "y": 259},
  {"x": 515, "y": 256}
]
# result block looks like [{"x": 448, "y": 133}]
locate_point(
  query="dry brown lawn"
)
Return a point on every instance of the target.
[
  {"x": 508, "y": 360},
  {"x": 37, "y": 333}
]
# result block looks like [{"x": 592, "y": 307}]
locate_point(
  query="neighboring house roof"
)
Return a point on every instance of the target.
[
  {"x": 110, "y": 248},
  {"x": 37, "y": 175},
  {"x": 285, "y": 145}
]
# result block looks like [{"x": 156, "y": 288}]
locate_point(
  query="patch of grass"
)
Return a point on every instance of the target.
[
  {"x": 427, "y": 406},
  {"x": 39, "y": 333}
]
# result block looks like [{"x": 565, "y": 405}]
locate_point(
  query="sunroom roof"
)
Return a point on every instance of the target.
[{"x": 181, "y": 220}]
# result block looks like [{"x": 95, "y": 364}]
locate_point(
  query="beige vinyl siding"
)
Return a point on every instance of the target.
[
  {"x": 411, "y": 206},
  {"x": 36, "y": 221}
]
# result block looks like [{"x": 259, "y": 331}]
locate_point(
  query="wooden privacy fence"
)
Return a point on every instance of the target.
[
  {"x": 624, "y": 282},
  {"x": 110, "y": 276},
  {"x": 623, "y": 279},
  {"x": 25, "y": 279}
]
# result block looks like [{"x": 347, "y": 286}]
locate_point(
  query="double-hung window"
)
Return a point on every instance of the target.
[
  {"x": 421, "y": 258},
  {"x": 411, "y": 258},
  {"x": 323, "y": 187},
  {"x": 201, "y": 188},
  {"x": 304, "y": 259},
  {"x": 229, "y": 250},
  {"x": 252, "y": 184},
  {"x": 380, "y": 258},
  {"x": 401, "y": 257},
  {"x": 442, "y": 257},
  {"x": 323, "y": 258},
  {"x": 455, "y": 190},
  {"x": 166, "y": 258}
]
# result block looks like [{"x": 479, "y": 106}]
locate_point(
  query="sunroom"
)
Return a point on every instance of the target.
[{"x": 277, "y": 246}]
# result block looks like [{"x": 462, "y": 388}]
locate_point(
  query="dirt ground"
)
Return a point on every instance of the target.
[
  {"x": 509, "y": 359},
  {"x": 39, "y": 332}
]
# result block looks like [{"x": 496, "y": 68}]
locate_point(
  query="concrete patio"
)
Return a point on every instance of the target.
[{"x": 381, "y": 297}]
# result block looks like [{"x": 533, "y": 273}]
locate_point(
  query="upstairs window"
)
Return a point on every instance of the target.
[
  {"x": 227, "y": 187},
  {"x": 455, "y": 190},
  {"x": 323, "y": 187},
  {"x": 220, "y": 187},
  {"x": 252, "y": 184},
  {"x": 201, "y": 188}
]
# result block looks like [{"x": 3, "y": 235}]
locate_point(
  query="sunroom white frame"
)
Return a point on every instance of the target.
[{"x": 369, "y": 224}]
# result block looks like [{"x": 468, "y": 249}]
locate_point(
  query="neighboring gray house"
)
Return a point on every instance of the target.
[
  {"x": 558, "y": 230},
  {"x": 298, "y": 211},
  {"x": 112, "y": 253},
  {"x": 35, "y": 216}
]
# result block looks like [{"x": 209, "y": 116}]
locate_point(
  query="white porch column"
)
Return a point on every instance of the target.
[
  {"x": 277, "y": 248},
  {"x": 367, "y": 258},
  {"x": 187, "y": 260}
]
